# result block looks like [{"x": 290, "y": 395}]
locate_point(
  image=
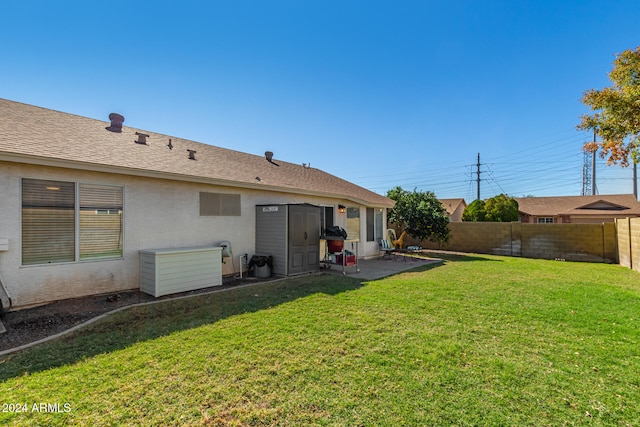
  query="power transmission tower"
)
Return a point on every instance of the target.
[
  {"x": 478, "y": 179},
  {"x": 586, "y": 173},
  {"x": 589, "y": 187}
]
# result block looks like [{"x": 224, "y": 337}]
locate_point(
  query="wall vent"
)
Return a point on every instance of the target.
[
  {"x": 116, "y": 123},
  {"x": 142, "y": 138}
]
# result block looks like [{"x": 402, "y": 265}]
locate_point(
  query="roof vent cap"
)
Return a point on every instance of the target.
[
  {"x": 116, "y": 122},
  {"x": 192, "y": 154},
  {"x": 268, "y": 155},
  {"x": 142, "y": 138}
]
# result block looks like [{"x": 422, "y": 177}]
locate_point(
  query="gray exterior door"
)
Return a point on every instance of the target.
[{"x": 304, "y": 238}]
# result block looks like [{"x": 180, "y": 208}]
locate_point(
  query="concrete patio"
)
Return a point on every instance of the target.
[{"x": 377, "y": 268}]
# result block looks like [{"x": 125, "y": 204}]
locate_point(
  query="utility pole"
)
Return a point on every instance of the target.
[
  {"x": 594, "y": 188},
  {"x": 635, "y": 179},
  {"x": 478, "y": 179}
]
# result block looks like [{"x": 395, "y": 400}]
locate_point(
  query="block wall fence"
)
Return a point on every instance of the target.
[
  {"x": 628, "y": 233},
  {"x": 570, "y": 242}
]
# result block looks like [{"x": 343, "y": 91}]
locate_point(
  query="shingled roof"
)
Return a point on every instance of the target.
[
  {"x": 451, "y": 205},
  {"x": 30, "y": 134},
  {"x": 579, "y": 205}
]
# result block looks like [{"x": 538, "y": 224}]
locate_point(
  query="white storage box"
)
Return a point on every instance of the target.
[{"x": 170, "y": 271}]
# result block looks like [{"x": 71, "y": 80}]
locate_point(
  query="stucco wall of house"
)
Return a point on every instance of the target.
[
  {"x": 158, "y": 213},
  {"x": 456, "y": 216}
]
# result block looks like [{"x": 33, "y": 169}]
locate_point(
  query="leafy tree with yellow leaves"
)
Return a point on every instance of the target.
[{"x": 616, "y": 117}]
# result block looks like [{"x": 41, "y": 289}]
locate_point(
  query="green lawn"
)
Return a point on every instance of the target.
[{"x": 480, "y": 340}]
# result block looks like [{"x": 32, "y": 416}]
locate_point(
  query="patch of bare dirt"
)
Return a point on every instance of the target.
[{"x": 32, "y": 324}]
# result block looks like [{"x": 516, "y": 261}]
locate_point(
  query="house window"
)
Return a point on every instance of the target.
[
  {"x": 100, "y": 221},
  {"x": 374, "y": 225},
  {"x": 378, "y": 224},
  {"x": 48, "y": 221},
  {"x": 353, "y": 224},
  {"x": 326, "y": 218},
  {"x": 545, "y": 220},
  {"x": 65, "y": 221},
  {"x": 219, "y": 204},
  {"x": 370, "y": 225}
]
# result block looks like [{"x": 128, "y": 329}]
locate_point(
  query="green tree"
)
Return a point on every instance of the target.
[
  {"x": 501, "y": 208},
  {"x": 617, "y": 111},
  {"x": 475, "y": 211},
  {"x": 420, "y": 213}
]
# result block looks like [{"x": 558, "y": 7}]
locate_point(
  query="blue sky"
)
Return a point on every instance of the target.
[{"x": 380, "y": 93}]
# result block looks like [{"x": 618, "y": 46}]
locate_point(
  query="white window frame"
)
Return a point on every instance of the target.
[{"x": 545, "y": 220}]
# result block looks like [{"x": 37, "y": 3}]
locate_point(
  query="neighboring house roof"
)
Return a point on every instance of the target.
[
  {"x": 451, "y": 205},
  {"x": 30, "y": 134},
  {"x": 597, "y": 205}
]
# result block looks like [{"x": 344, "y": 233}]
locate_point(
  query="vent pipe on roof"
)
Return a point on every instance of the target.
[
  {"x": 142, "y": 138},
  {"x": 116, "y": 122},
  {"x": 268, "y": 155},
  {"x": 192, "y": 154}
]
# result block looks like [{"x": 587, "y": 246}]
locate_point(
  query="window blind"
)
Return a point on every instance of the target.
[
  {"x": 100, "y": 221},
  {"x": 49, "y": 214},
  {"x": 48, "y": 221}
]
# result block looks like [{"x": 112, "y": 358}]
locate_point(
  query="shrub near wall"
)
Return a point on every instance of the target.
[{"x": 571, "y": 242}]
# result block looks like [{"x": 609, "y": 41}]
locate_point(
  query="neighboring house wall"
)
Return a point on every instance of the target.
[
  {"x": 455, "y": 208},
  {"x": 577, "y": 209},
  {"x": 577, "y": 219},
  {"x": 542, "y": 219},
  {"x": 456, "y": 216},
  {"x": 570, "y": 219},
  {"x": 158, "y": 213}
]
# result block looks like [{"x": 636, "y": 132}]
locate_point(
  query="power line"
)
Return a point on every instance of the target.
[{"x": 515, "y": 172}]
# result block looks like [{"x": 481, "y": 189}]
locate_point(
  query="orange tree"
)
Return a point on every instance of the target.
[{"x": 420, "y": 214}]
